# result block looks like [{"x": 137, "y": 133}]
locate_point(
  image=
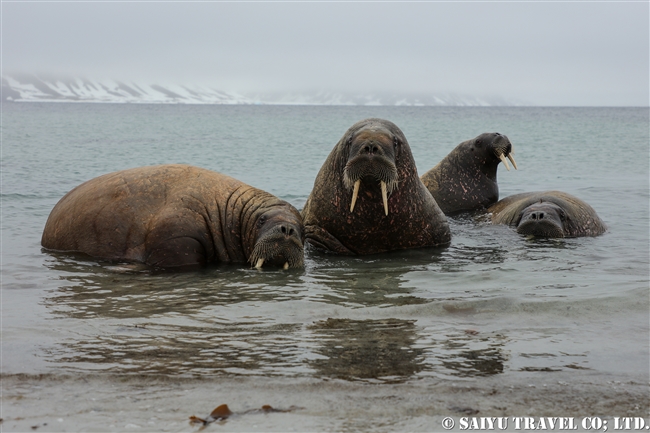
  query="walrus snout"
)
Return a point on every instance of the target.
[
  {"x": 279, "y": 243},
  {"x": 502, "y": 148},
  {"x": 543, "y": 219},
  {"x": 537, "y": 215},
  {"x": 372, "y": 158},
  {"x": 287, "y": 230}
]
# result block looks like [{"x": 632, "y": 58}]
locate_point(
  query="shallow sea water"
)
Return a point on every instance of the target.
[{"x": 495, "y": 324}]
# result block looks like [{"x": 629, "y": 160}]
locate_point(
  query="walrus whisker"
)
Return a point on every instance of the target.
[
  {"x": 355, "y": 193},
  {"x": 273, "y": 246},
  {"x": 512, "y": 159},
  {"x": 505, "y": 161},
  {"x": 384, "y": 196}
]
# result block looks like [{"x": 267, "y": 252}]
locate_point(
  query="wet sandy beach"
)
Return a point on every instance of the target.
[{"x": 132, "y": 403}]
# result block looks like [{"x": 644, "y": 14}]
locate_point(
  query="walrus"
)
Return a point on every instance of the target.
[
  {"x": 549, "y": 214},
  {"x": 466, "y": 179},
  {"x": 368, "y": 198},
  {"x": 176, "y": 216}
]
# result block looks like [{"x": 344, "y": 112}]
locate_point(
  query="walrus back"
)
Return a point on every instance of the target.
[
  {"x": 91, "y": 218},
  {"x": 112, "y": 215}
]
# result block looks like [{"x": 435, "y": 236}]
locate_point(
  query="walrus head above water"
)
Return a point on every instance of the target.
[
  {"x": 371, "y": 160},
  {"x": 279, "y": 241},
  {"x": 368, "y": 198},
  {"x": 466, "y": 179},
  {"x": 499, "y": 145}
]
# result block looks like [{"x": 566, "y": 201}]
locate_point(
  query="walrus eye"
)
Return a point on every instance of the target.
[{"x": 261, "y": 221}]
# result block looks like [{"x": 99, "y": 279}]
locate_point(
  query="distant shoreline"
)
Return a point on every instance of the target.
[{"x": 27, "y": 87}]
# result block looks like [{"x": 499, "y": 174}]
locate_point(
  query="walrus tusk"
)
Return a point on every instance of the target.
[
  {"x": 505, "y": 161},
  {"x": 384, "y": 196},
  {"x": 355, "y": 193},
  {"x": 259, "y": 263},
  {"x": 286, "y": 266},
  {"x": 512, "y": 159}
]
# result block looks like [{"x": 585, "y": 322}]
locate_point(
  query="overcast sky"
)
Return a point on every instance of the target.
[{"x": 559, "y": 53}]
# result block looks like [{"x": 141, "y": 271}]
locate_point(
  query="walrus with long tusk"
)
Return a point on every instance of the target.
[
  {"x": 368, "y": 198},
  {"x": 176, "y": 216},
  {"x": 466, "y": 179},
  {"x": 549, "y": 214}
]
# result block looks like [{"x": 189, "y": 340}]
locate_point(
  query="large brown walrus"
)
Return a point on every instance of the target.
[
  {"x": 176, "y": 216},
  {"x": 466, "y": 179},
  {"x": 368, "y": 198},
  {"x": 550, "y": 214}
]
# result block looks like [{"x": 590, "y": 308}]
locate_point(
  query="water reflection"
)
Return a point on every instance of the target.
[
  {"x": 252, "y": 348},
  {"x": 92, "y": 290},
  {"x": 232, "y": 320},
  {"x": 467, "y": 354},
  {"x": 367, "y": 349},
  {"x": 480, "y": 362},
  {"x": 474, "y": 244},
  {"x": 371, "y": 281}
]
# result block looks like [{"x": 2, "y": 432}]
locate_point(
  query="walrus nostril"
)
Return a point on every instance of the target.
[
  {"x": 537, "y": 215},
  {"x": 291, "y": 231},
  {"x": 370, "y": 148},
  {"x": 284, "y": 229}
]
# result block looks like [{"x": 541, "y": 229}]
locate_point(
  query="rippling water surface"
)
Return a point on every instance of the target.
[{"x": 493, "y": 303}]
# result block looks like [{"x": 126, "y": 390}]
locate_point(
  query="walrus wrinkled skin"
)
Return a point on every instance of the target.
[
  {"x": 549, "y": 214},
  {"x": 368, "y": 198},
  {"x": 176, "y": 216},
  {"x": 466, "y": 179}
]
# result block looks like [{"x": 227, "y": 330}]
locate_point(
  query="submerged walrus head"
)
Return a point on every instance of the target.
[
  {"x": 549, "y": 214},
  {"x": 280, "y": 239},
  {"x": 372, "y": 147}
]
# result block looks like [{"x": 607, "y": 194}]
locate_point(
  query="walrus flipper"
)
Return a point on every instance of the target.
[
  {"x": 177, "y": 253},
  {"x": 178, "y": 240},
  {"x": 323, "y": 240}
]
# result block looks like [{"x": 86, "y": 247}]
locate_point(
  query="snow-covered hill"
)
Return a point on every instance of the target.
[
  {"x": 33, "y": 88},
  {"x": 27, "y": 87}
]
